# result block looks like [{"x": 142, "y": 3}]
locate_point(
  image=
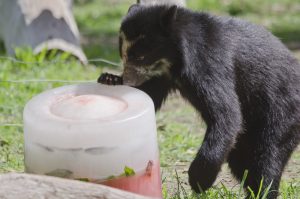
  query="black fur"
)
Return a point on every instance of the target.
[{"x": 243, "y": 81}]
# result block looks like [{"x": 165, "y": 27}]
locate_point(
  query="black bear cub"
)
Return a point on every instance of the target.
[{"x": 243, "y": 81}]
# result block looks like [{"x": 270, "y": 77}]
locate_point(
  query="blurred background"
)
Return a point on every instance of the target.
[
  {"x": 180, "y": 130},
  {"x": 99, "y": 20}
]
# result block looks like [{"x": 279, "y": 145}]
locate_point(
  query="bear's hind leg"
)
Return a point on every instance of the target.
[
  {"x": 268, "y": 159},
  {"x": 266, "y": 169},
  {"x": 263, "y": 161},
  {"x": 267, "y": 163}
]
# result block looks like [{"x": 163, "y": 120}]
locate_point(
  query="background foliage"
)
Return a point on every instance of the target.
[{"x": 180, "y": 128}]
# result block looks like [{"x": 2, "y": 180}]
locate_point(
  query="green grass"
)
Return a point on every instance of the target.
[
  {"x": 14, "y": 95},
  {"x": 282, "y": 17},
  {"x": 180, "y": 130}
]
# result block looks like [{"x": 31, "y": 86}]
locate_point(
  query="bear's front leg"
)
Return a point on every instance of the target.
[
  {"x": 202, "y": 173},
  {"x": 220, "y": 109}
]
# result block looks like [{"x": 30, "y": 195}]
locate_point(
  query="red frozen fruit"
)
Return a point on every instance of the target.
[{"x": 148, "y": 183}]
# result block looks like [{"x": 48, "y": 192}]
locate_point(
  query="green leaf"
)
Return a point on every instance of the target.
[
  {"x": 128, "y": 171},
  {"x": 242, "y": 184},
  {"x": 266, "y": 191},
  {"x": 42, "y": 55}
]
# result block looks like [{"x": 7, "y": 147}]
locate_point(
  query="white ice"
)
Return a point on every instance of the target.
[{"x": 88, "y": 107}]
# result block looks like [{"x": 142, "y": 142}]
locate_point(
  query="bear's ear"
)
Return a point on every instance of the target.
[
  {"x": 133, "y": 7},
  {"x": 167, "y": 17}
]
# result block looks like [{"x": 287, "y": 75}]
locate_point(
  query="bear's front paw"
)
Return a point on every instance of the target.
[
  {"x": 110, "y": 79},
  {"x": 202, "y": 175}
]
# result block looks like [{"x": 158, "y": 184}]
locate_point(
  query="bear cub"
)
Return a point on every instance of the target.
[{"x": 242, "y": 79}]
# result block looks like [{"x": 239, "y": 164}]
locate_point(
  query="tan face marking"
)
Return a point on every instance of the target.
[
  {"x": 135, "y": 76},
  {"x": 150, "y": 70},
  {"x": 126, "y": 44}
]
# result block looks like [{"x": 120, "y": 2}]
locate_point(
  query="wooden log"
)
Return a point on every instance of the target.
[{"x": 27, "y": 186}]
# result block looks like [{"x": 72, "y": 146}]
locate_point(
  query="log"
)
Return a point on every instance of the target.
[{"x": 28, "y": 186}]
